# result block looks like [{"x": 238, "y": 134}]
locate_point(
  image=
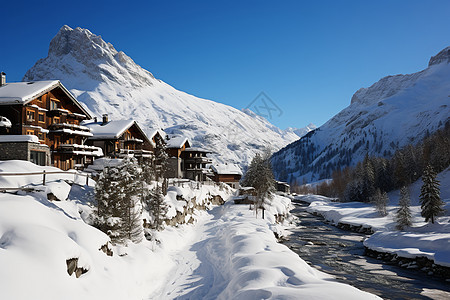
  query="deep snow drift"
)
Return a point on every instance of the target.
[
  {"x": 226, "y": 254},
  {"x": 108, "y": 81}
]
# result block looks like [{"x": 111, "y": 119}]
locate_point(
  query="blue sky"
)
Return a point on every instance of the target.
[{"x": 309, "y": 57}]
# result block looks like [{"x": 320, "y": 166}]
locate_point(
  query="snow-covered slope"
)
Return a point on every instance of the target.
[
  {"x": 108, "y": 81},
  {"x": 395, "y": 111}
]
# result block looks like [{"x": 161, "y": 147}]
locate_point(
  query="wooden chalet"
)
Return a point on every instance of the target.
[
  {"x": 175, "y": 145},
  {"x": 230, "y": 174},
  {"x": 47, "y": 110},
  {"x": 283, "y": 187},
  {"x": 119, "y": 138},
  {"x": 194, "y": 164}
]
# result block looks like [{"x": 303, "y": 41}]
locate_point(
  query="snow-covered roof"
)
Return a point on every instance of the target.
[
  {"x": 110, "y": 130},
  {"x": 19, "y": 138},
  {"x": 153, "y": 132},
  {"x": 226, "y": 169},
  {"x": 24, "y": 92},
  {"x": 177, "y": 142},
  {"x": 197, "y": 149}
]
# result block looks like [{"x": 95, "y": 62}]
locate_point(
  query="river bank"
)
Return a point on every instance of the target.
[
  {"x": 342, "y": 254},
  {"x": 409, "y": 249}
]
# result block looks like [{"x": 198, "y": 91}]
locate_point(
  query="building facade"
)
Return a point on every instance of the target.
[
  {"x": 47, "y": 110},
  {"x": 119, "y": 138}
]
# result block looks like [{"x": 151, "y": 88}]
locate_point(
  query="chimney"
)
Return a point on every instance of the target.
[
  {"x": 2, "y": 78},
  {"x": 95, "y": 119},
  {"x": 105, "y": 119}
]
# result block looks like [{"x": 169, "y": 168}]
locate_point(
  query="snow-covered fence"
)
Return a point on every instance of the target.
[
  {"x": 44, "y": 177},
  {"x": 191, "y": 183}
]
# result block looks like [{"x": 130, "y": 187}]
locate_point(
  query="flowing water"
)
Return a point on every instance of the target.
[{"x": 341, "y": 254}]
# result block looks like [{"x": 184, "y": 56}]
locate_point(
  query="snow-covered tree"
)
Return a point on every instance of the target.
[
  {"x": 157, "y": 208},
  {"x": 403, "y": 216},
  {"x": 118, "y": 193},
  {"x": 430, "y": 198},
  {"x": 148, "y": 170},
  {"x": 161, "y": 158},
  {"x": 380, "y": 199},
  {"x": 260, "y": 176}
]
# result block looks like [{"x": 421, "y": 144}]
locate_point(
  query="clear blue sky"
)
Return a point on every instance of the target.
[{"x": 309, "y": 57}]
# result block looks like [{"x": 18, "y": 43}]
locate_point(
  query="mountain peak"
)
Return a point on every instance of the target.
[
  {"x": 78, "y": 51},
  {"x": 108, "y": 81},
  {"x": 443, "y": 56},
  {"x": 78, "y": 42}
]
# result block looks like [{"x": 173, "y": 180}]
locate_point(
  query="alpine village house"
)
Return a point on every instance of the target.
[
  {"x": 42, "y": 122},
  {"x": 42, "y": 125}
]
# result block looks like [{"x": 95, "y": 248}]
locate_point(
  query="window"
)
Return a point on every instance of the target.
[
  {"x": 30, "y": 132},
  {"x": 57, "y": 141},
  {"x": 41, "y": 117},
  {"x": 55, "y": 120},
  {"x": 41, "y": 136},
  {"x": 30, "y": 115},
  {"x": 37, "y": 157},
  {"x": 39, "y": 99},
  {"x": 53, "y": 105}
]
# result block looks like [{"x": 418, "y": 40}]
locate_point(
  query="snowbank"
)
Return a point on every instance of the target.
[
  {"x": 421, "y": 240},
  {"x": 226, "y": 254},
  {"x": 258, "y": 267}
]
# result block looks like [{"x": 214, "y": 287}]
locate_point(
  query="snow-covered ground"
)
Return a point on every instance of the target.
[
  {"x": 422, "y": 239},
  {"x": 226, "y": 254}
]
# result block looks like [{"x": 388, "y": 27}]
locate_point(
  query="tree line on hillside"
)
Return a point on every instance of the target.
[
  {"x": 360, "y": 182},
  {"x": 124, "y": 191},
  {"x": 371, "y": 179}
]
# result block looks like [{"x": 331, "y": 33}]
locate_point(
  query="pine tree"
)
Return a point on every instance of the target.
[
  {"x": 108, "y": 207},
  {"x": 381, "y": 199},
  {"x": 430, "y": 198},
  {"x": 403, "y": 216},
  {"x": 161, "y": 158},
  {"x": 260, "y": 176},
  {"x": 131, "y": 187},
  {"x": 157, "y": 208},
  {"x": 118, "y": 192}
]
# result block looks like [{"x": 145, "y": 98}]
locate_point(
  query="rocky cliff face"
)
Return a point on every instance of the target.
[
  {"x": 393, "y": 112},
  {"x": 108, "y": 81}
]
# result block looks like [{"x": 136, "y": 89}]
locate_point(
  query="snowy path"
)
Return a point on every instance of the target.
[
  {"x": 194, "y": 276},
  {"x": 228, "y": 254}
]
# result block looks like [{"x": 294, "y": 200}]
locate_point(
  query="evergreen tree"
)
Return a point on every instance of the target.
[
  {"x": 380, "y": 199},
  {"x": 118, "y": 207},
  {"x": 157, "y": 208},
  {"x": 148, "y": 171},
  {"x": 260, "y": 176},
  {"x": 108, "y": 207},
  {"x": 131, "y": 187},
  {"x": 403, "y": 216},
  {"x": 161, "y": 158},
  {"x": 430, "y": 198}
]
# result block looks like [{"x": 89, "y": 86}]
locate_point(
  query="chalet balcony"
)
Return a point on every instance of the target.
[
  {"x": 137, "y": 153},
  {"x": 76, "y": 149},
  {"x": 133, "y": 140},
  {"x": 57, "y": 112},
  {"x": 70, "y": 129},
  {"x": 198, "y": 160}
]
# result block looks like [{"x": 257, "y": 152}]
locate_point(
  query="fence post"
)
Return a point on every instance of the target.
[
  {"x": 43, "y": 177},
  {"x": 87, "y": 179}
]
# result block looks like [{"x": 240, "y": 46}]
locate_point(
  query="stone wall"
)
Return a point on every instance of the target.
[{"x": 21, "y": 151}]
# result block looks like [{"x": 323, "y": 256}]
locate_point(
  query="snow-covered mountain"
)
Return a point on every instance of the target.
[
  {"x": 108, "y": 81},
  {"x": 393, "y": 112}
]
